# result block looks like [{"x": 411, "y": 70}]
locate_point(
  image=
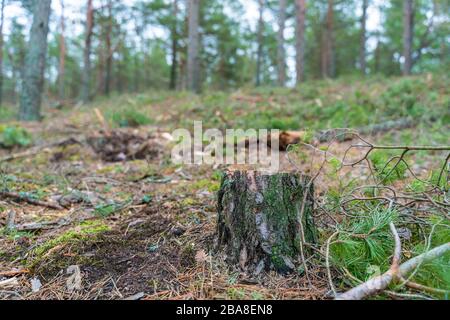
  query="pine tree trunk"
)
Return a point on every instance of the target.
[
  {"x": 193, "y": 67},
  {"x": 281, "y": 57},
  {"x": 62, "y": 57},
  {"x": 329, "y": 41},
  {"x": 174, "y": 35},
  {"x": 109, "y": 50},
  {"x": 323, "y": 53},
  {"x": 377, "y": 56},
  {"x": 260, "y": 42},
  {"x": 264, "y": 220},
  {"x": 137, "y": 73},
  {"x": 33, "y": 74},
  {"x": 2, "y": 20},
  {"x": 363, "y": 38},
  {"x": 408, "y": 26},
  {"x": 300, "y": 39},
  {"x": 86, "y": 77}
]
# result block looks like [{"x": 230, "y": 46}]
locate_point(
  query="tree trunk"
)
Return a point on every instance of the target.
[
  {"x": 62, "y": 57},
  {"x": 2, "y": 20},
  {"x": 377, "y": 56},
  {"x": 260, "y": 42},
  {"x": 281, "y": 56},
  {"x": 363, "y": 39},
  {"x": 329, "y": 42},
  {"x": 408, "y": 26},
  {"x": 33, "y": 75},
  {"x": 137, "y": 71},
  {"x": 13, "y": 79},
  {"x": 86, "y": 77},
  {"x": 323, "y": 53},
  {"x": 109, "y": 53},
  {"x": 174, "y": 67},
  {"x": 300, "y": 39},
  {"x": 193, "y": 67},
  {"x": 264, "y": 220}
]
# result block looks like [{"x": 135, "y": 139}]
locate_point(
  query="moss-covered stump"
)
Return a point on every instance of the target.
[{"x": 261, "y": 218}]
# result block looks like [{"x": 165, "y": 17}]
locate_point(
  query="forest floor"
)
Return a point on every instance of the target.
[{"x": 91, "y": 206}]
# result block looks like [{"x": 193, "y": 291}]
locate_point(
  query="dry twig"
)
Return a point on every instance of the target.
[{"x": 23, "y": 197}]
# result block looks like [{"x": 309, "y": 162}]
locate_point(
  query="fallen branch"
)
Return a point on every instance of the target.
[
  {"x": 421, "y": 287},
  {"x": 345, "y": 134},
  {"x": 137, "y": 296},
  {"x": 22, "y": 197},
  {"x": 377, "y": 284},
  {"x": 38, "y": 149},
  {"x": 37, "y": 226},
  {"x": 13, "y": 282},
  {"x": 11, "y": 220},
  {"x": 14, "y": 273}
]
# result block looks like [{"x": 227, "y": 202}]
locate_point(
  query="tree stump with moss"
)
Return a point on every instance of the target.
[{"x": 264, "y": 220}]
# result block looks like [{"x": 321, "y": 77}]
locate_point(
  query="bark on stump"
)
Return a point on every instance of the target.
[{"x": 261, "y": 225}]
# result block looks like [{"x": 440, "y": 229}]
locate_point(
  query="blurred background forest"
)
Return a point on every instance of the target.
[{"x": 100, "y": 47}]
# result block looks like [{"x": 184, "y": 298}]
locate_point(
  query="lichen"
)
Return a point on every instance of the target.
[{"x": 264, "y": 219}]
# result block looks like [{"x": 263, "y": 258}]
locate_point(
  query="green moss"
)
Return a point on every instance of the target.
[
  {"x": 210, "y": 185},
  {"x": 83, "y": 232},
  {"x": 115, "y": 168},
  {"x": 188, "y": 202}
]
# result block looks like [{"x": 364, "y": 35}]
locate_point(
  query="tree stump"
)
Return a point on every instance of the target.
[{"x": 264, "y": 219}]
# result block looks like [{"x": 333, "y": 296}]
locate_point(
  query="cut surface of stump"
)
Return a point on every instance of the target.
[{"x": 264, "y": 219}]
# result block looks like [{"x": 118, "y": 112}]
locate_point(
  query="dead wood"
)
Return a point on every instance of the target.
[
  {"x": 344, "y": 134},
  {"x": 124, "y": 145},
  {"x": 8, "y": 283},
  {"x": 38, "y": 149},
  {"x": 25, "y": 198},
  {"x": 14, "y": 273},
  {"x": 265, "y": 219}
]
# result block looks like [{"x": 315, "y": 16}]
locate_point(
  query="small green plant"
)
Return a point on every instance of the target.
[
  {"x": 236, "y": 294},
  {"x": 130, "y": 118},
  {"x": 14, "y": 136},
  {"x": 417, "y": 186},
  {"x": 388, "y": 170},
  {"x": 440, "y": 180},
  {"x": 363, "y": 243},
  {"x": 14, "y": 234},
  {"x": 107, "y": 209},
  {"x": 147, "y": 199}
]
